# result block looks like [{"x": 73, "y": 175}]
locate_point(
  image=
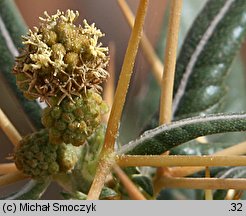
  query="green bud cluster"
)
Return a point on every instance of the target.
[
  {"x": 61, "y": 59},
  {"x": 35, "y": 156},
  {"x": 73, "y": 122},
  {"x": 63, "y": 65}
]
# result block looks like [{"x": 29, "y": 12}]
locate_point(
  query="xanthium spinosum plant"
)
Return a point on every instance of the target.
[{"x": 64, "y": 65}]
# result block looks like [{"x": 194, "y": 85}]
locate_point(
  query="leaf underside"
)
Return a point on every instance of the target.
[{"x": 33, "y": 190}]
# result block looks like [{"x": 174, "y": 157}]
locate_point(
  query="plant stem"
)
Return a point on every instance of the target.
[
  {"x": 238, "y": 149},
  {"x": 230, "y": 194},
  {"x": 11, "y": 178},
  {"x": 204, "y": 183},
  {"x": 180, "y": 160},
  {"x": 152, "y": 58},
  {"x": 109, "y": 87},
  {"x": 169, "y": 70},
  {"x": 169, "y": 63},
  {"x": 7, "y": 168},
  {"x": 208, "y": 193},
  {"x": 103, "y": 170},
  {"x": 9, "y": 129},
  {"x": 125, "y": 76},
  {"x": 120, "y": 95},
  {"x": 202, "y": 139},
  {"x": 238, "y": 194},
  {"x": 184, "y": 171},
  {"x": 130, "y": 187}
]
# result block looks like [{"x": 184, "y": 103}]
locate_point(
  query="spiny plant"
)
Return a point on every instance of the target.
[{"x": 64, "y": 65}]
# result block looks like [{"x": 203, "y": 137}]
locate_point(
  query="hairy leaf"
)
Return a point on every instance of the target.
[
  {"x": 33, "y": 190},
  {"x": 165, "y": 137},
  {"x": 207, "y": 54},
  {"x": 147, "y": 103},
  {"x": 11, "y": 28},
  {"x": 205, "y": 58}
]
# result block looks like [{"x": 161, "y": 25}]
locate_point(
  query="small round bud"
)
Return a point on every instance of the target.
[
  {"x": 49, "y": 37},
  {"x": 35, "y": 156},
  {"x": 74, "y": 122},
  {"x": 34, "y": 150},
  {"x": 71, "y": 59},
  {"x": 58, "y": 51}
]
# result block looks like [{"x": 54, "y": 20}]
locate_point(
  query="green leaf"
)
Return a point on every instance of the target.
[
  {"x": 234, "y": 172},
  {"x": 177, "y": 194},
  {"x": 190, "y": 10},
  {"x": 77, "y": 195},
  {"x": 131, "y": 171},
  {"x": 108, "y": 194},
  {"x": 235, "y": 100},
  {"x": 33, "y": 190},
  {"x": 144, "y": 182},
  {"x": 207, "y": 54},
  {"x": 12, "y": 27},
  {"x": 205, "y": 58},
  {"x": 148, "y": 99},
  {"x": 166, "y": 137},
  {"x": 196, "y": 148}
]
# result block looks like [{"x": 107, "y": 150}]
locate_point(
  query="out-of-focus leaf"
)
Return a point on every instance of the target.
[
  {"x": 108, "y": 194},
  {"x": 12, "y": 27},
  {"x": 205, "y": 58},
  {"x": 207, "y": 54},
  {"x": 74, "y": 196},
  {"x": 33, "y": 190},
  {"x": 196, "y": 148},
  {"x": 177, "y": 194},
  {"x": 148, "y": 104},
  {"x": 131, "y": 170},
  {"x": 148, "y": 101},
  {"x": 234, "y": 172},
  {"x": 235, "y": 101},
  {"x": 144, "y": 182},
  {"x": 190, "y": 10},
  {"x": 13, "y": 22},
  {"x": 165, "y": 137}
]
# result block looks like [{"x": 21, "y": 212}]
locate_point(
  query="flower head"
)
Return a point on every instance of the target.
[{"x": 60, "y": 59}]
